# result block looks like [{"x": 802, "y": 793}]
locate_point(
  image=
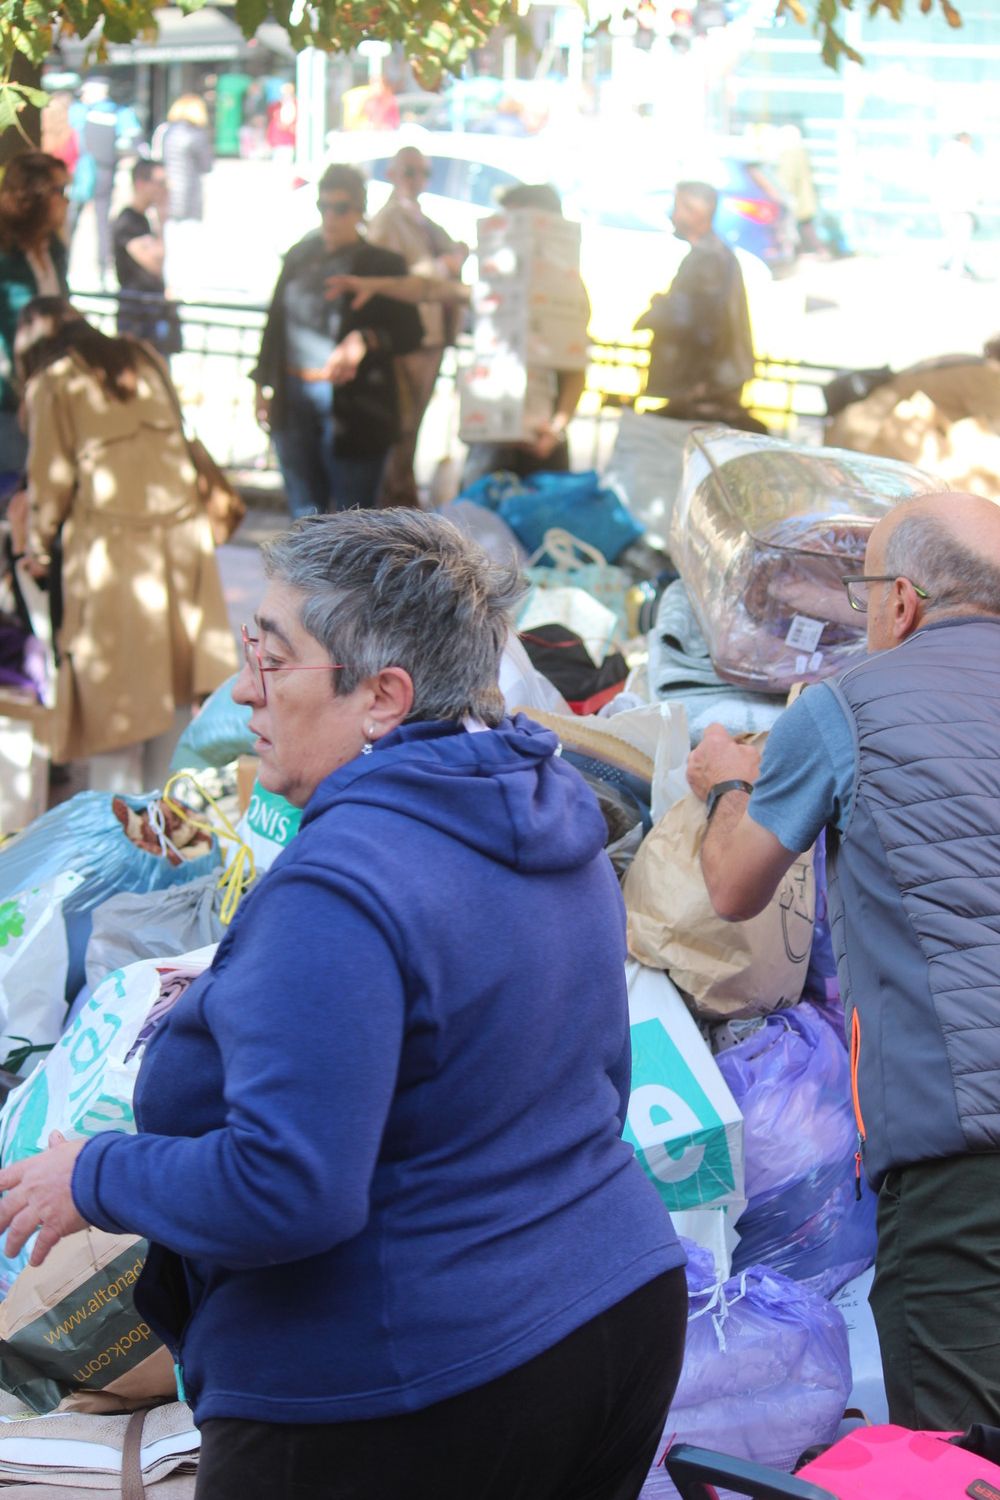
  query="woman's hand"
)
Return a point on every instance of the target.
[
  {"x": 36, "y": 1195},
  {"x": 17, "y": 520}
]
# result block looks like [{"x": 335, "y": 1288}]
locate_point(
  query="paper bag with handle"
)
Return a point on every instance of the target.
[
  {"x": 726, "y": 970},
  {"x": 69, "y": 1329}
]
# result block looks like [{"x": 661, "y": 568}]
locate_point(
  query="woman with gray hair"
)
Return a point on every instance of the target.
[{"x": 398, "y": 1244}]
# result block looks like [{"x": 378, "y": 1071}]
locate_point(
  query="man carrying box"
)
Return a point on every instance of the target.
[{"x": 516, "y": 406}]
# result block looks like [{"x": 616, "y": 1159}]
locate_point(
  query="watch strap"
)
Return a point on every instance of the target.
[{"x": 720, "y": 789}]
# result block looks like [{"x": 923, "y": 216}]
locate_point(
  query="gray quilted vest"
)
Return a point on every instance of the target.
[{"x": 915, "y": 895}]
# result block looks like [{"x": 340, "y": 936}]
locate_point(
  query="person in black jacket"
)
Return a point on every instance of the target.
[{"x": 326, "y": 383}]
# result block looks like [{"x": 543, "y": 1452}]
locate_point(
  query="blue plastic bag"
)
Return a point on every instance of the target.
[
  {"x": 767, "y": 1373},
  {"x": 217, "y": 735},
  {"x": 84, "y": 835},
  {"x": 578, "y": 503},
  {"x": 791, "y": 1080}
]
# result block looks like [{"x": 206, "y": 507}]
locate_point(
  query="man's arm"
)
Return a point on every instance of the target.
[
  {"x": 147, "y": 251},
  {"x": 743, "y": 863}
]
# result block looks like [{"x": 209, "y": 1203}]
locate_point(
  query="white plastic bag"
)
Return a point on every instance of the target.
[
  {"x": 34, "y": 958},
  {"x": 85, "y": 1084}
]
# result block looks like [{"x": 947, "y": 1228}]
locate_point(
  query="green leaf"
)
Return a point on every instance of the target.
[
  {"x": 250, "y": 14},
  {"x": 38, "y": 97}
]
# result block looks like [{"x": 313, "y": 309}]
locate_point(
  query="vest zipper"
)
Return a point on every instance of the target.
[{"x": 859, "y": 1118}]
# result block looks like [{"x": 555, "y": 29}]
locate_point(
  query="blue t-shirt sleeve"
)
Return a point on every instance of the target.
[{"x": 807, "y": 771}]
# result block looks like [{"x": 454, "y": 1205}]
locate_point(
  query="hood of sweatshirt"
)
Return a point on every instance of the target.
[{"x": 504, "y": 792}]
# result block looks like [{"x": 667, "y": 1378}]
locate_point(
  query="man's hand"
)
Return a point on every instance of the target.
[
  {"x": 545, "y": 441},
  {"x": 720, "y": 758},
  {"x": 453, "y": 260},
  {"x": 36, "y": 1195},
  {"x": 262, "y": 409},
  {"x": 362, "y": 289},
  {"x": 342, "y": 366}
]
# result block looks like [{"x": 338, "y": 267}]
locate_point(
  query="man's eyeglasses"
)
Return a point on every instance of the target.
[
  {"x": 414, "y": 172},
  {"x": 339, "y": 207},
  {"x": 251, "y": 653},
  {"x": 856, "y": 585}
]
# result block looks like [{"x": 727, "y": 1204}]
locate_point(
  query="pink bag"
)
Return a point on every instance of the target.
[
  {"x": 892, "y": 1463},
  {"x": 870, "y": 1463}
]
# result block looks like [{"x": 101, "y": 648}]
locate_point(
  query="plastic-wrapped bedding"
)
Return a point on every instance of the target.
[{"x": 762, "y": 534}]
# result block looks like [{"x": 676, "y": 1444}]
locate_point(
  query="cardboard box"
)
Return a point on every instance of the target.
[
  {"x": 682, "y": 1120},
  {"x": 527, "y": 233},
  {"x": 545, "y": 340},
  {"x": 501, "y": 400}
]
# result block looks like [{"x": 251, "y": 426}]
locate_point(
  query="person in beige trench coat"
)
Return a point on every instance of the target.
[{"x": 144, "y": 633}]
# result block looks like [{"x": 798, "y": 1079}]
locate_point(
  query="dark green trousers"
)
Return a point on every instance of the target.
[{"x": 936, "y": 1294}]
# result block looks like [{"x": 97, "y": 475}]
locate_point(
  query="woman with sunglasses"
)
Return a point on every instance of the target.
[
  {"x": 326, "y": 382},
  {"x": 33, "y": 260},
  {"x": 399, "y": 1247}
]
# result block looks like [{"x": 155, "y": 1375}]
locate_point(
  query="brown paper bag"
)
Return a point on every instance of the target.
[
  {"x": 726, "y": 970},
  {"x": 70, "y": 1325}
]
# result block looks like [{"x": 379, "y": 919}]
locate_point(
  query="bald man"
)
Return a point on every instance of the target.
[
  {"x": 898, "y": 758},
  {"x": 402, "y": 225}
]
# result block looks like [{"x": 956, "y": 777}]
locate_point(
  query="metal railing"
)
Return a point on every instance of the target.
[{"x": 221, "y": 342}]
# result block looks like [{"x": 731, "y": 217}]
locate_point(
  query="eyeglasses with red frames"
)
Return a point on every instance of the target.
[{"x": 255, "y": 663}]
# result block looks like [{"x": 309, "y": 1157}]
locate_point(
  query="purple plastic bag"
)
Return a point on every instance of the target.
[
  {"x": 767, "y": 1373},
  {"x": 791, "y": 1080}
]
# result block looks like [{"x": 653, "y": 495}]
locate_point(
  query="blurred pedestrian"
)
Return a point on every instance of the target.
[
  {"x": 282, "y": 125},
  {"x": 795, "y": 174},
  {"x": 701, "y": 355},
  {"x": 548, "y": 449},
  {"x": 957, "y": 194},
  {"x": 187, "y": 157},
  {"x": 59, "y": 139},
  {"x": 326, "y": 382},
  {"x": 33, "y": 258},
  {"x": 144, "y": 632},
  {"x": 95, "y": 119},
  {"x": 428, "y": 250},
  {"x": 143, "y": 310},
  {"x": 380, "y": 110}
]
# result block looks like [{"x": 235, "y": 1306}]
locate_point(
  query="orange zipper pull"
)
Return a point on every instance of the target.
[{"x": 857, "y": 1171}]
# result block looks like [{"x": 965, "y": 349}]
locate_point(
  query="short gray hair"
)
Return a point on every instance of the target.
[
  {"x": 921, "y": 548},
  {"x": 398, "y": 588}
]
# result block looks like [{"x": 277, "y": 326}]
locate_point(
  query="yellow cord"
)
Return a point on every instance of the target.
[{"x": 242, "y": 869}]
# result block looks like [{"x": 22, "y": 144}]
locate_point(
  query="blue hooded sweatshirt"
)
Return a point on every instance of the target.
[{"x": 380, "y": 1156}]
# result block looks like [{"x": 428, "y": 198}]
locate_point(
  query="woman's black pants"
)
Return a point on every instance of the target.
[{"x": 580, "y": 1422}]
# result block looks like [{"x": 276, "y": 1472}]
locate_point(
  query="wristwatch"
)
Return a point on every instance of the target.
[{"x": 719, "y": 790}]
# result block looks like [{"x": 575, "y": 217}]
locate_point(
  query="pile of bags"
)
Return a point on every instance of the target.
[
  {"x": 740, "y": 1109},
  {"x": 740, "y": 1112}
]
